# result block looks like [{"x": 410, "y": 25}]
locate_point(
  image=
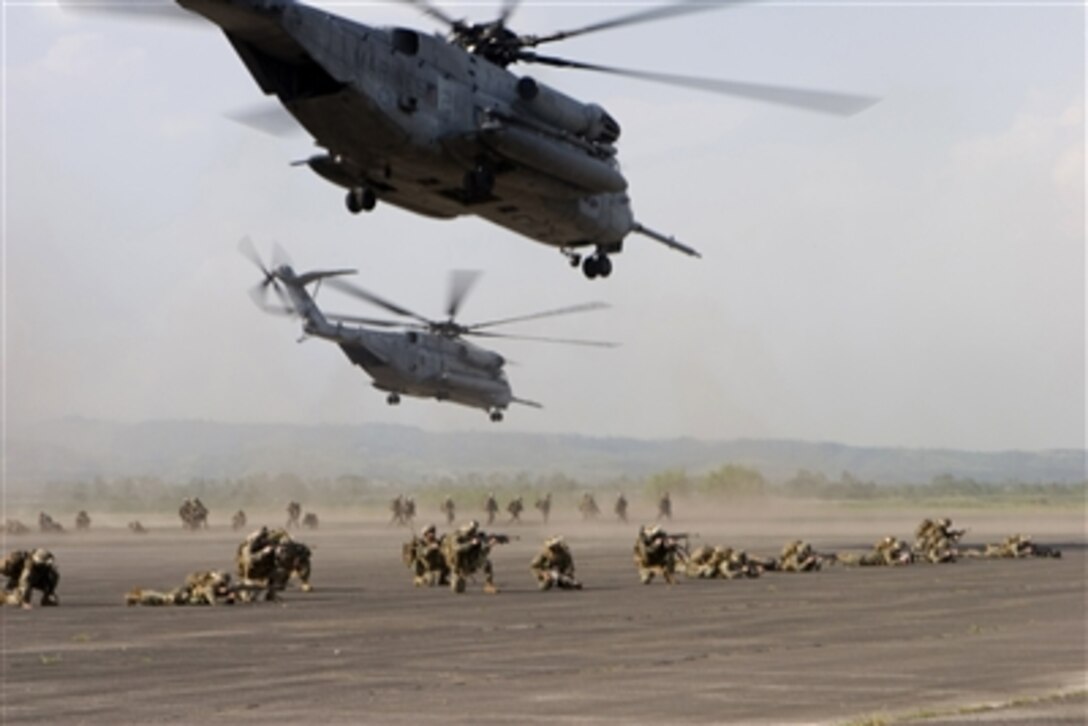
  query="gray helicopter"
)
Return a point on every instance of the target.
[
  {"x": 421, "y": 357},
  {"x": 439, "y": 125}
]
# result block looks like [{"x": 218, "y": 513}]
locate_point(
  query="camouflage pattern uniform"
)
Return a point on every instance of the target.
[
  {"x": 621, "y": 508},
  {"x": 207, "y": 587},
  {"x": 738, "y": 564},
  {"x": 310, "y": 521},
  {"x": 238, "y": 521},
  {"x": 200, "y": 514},
  {"x": 449, "y": 509},
  {"x": 655, "y": 553},
  {"x": 397, "y": 508},
  {"x": 888, "y": 552},
  {"x": 515, "y": 507},
  {"x": 936, "y": 541},
  {"x": 27, "y": 572},
  {"x": 409, "y": 510},
  {"x": 491, "y": 508},
  {"x": 467, "y": 552},
  {"x": 1020, "y": 546},
  {"x": 271, "y": 557},
  {"x": 83, "y": 521},
  {"x": 798, "y": 556},
  {"x": 664, "y": 507},
  {"x": 554, "y": 566},
  {"x": 294, "y": 511},
  {"x": 423, "y": 555},
  {"x": 544, "y": 504},
  {"x": 704, "y": 561}
]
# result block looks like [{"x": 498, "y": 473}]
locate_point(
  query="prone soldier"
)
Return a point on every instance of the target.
[
  {"x": 798, "y": 556},
  {"x": 1020, "y": 546},
  {"x": 888, "y": 552},
  {"x": 553, "y": 566}
]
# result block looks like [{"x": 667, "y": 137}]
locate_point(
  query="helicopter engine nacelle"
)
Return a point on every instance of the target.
[
  {"x": 587, "y": 120},
  {"x": 480, "y": 358}
]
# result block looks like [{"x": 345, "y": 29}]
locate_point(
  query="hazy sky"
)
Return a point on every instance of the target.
[{"x": 912, "y": 276}]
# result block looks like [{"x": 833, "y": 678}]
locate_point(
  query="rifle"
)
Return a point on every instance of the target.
[{"x": 498, "y": 538}]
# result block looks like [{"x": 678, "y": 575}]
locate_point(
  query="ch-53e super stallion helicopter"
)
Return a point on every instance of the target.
[
  {"x": 441, "y": 127},
  {"x": 423, "y": 358}
]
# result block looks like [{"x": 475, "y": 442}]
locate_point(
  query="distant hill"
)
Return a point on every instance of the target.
[{"x": 81, "y": 449}]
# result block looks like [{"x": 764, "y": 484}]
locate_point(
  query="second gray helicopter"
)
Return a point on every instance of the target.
[{"x": 415, "y": 357}]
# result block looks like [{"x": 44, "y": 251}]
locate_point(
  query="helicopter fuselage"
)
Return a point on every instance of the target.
[{"x": 423, "y": 124}]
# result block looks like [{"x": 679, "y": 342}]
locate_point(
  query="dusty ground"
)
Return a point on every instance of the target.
[{"x": 996, "y": 642}]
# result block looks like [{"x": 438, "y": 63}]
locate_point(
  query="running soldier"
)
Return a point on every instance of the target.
[
  {"x": 449, "y": 509},
  {"x": 467, "y": 552},
  {"x": 238, "y": 521},
  {"x": 397, "y": 508},
  {"x": 544, "y": 504},
  {"x": 491, "y": 508},
  {"x": 588, "y": 507},
  {"x": 48, "y": 524},
  {"x": 656, "y": 553},
  {"x": 409, "y": 511},
  {"x": 83, "y": 521},
  {"x": 27, "y": 572},
  {"x": 664, "y": 507},
  {"x": 200, "y": 514},
  {"x": 423, "y": 555},
  {"x": 515, "y": 508},
  {"x": 620, "y": 508},
  {"x": 553, "y": 566},
  {"x": 294, "y": 511}
]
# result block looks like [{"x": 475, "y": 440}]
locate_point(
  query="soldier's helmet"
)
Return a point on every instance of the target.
[
  {"x": 653, "y": 530},
  {"x": 944, "y": 522},
  {"x": 41, "y": 557},
  {"x": 429, "y": 529},
  {"x": 470, "y": 528},
  {"x": 554, "y": 542}
]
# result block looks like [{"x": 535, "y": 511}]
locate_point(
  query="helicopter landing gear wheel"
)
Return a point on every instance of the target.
[
  {"x": 496, "y": 416},
  {"x": 573, "y": 257},
  {"x": 393, "y": 399},
  {"x": 597, "y": 266},
  {"x": 360, "y": 199}
]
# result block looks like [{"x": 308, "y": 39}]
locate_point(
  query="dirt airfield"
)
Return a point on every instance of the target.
[{"x": 978, "y": 641}]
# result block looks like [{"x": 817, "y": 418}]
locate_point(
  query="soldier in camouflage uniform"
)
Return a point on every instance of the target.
[
  {"x": 468, "y": 551},
  {"x": 423, "y": 555},
  {"x": 310, "y": 521},
  {"x": 136, "y": 527},
  {"x": 515, "y": 508},
  {"x": 544, "y": 504},
  {"x": 655, "y": 552},
  {"x": 553, "y": 566},
  {"x": 798, "y": 556},
  {"x": 83, "y": 521},
  {"x": 1020, "y": 546},
  {"x": 588, "y": 506},
  {"x": 294, "y": 511},
  {"x": 27, "y": 572},
  {"x": 621, "y": 508},
  {"x": 200, "y": 515},
  {"x": 664, "y": 507},
  {"x": 409, "y": 510},
  {"x": 888, "y": 552},
  {"x": 397, "y": 508},
  {"x": 937, "y": 541},
  {"x": 238, "y": 520},
  {"x": 491, "y": 507},
  {"x": 207, "y": 587},
  {"x": 704, "y": 562},
  {"x": 449, "y": 509},
  {"x": 14, "y": 526},
  {"x": 273, "y": 557},
  {"x": 48, "y": 524}
]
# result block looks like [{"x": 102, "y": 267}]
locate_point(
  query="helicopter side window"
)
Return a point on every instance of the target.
[
  {"x": 405, "y": 41},
  {"x": 413, "y": 337}
]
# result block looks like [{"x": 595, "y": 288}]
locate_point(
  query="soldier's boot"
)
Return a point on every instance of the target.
[
  {"x": 50, "y": 599},
  {"x": 544, "y": 581},
  {"x": 668, "y": 577},
  {"x": 646, "y": 576},
  {"x": 132, "y": 597},
  {"x": 457, "y": 584},
  {"x": 490, "y": 589},
  {"x": 306, "y": 587}
]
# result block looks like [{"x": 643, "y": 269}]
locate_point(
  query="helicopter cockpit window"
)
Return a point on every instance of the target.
[{"x": 405, "y": 41}]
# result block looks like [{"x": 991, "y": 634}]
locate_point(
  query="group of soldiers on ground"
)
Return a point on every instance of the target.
[
  {"x": 265, "y": 562},
  {"x": 452, "y": 559},
  {"x": 404, "y": 510},
  {"x": 658, "y": 553}
]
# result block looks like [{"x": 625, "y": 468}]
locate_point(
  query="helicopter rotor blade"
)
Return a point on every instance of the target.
[
  {"x": 509, "y": 7},
  {"x": 376, "y": 322},
  {"x": 162, "y": 11},
  {"x": 434, "y": 12},
  {"x": 683, "y": 7},
  {"x": 584, "y": 307},
  {"x": 271, "y": 119},
  {"x": 538, "y": 339},
  {"x": 354, "y": 290},
  {"x": 831, "y": 102},
  {"x": 249, "y": 251},
  {"x": 461, "y": 283}
]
